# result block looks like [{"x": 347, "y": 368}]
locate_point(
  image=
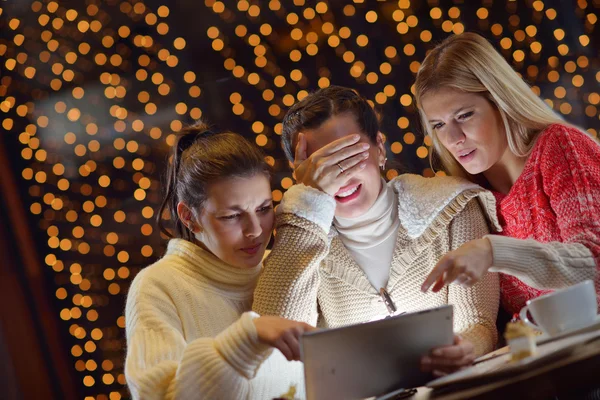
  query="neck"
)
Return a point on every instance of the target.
[
  {"x": 203, "y": 265},
  {"x": 375, "y": 225},
  {"x": 503, "y": 175}
]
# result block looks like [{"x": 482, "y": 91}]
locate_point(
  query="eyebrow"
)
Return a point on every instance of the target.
[
  {"x": 238, "y": 208},
  {"x": 455, "y": 111}
]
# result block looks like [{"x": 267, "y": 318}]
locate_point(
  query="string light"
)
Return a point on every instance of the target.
[{"x": 93, "y": 95}]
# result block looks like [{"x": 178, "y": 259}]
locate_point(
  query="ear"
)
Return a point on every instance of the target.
[
  {"x": 381, "y": 154},
  {"x": 186, "y": 216}
]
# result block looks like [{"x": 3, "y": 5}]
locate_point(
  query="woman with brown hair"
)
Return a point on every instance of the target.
[
  {"x": 190, "y": 332},
  {"x": 346, "y": 239}
]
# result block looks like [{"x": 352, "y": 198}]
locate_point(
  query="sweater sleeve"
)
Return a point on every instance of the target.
[
  {"x": 475, "y": 308},
  {"x": 570, "y": 172},
  {"x": 161, "y": 364},
  {"x": 288, "y": 286}
]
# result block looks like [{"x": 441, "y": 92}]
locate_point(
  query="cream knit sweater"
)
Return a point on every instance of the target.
[
  {"x": 310, "y": 276},
  {"x": 189, "y": 335}
]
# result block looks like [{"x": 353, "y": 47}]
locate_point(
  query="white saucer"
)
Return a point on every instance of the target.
[{"x": 545, "y": 338}]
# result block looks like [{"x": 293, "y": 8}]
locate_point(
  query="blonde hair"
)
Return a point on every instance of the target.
[{"x": 469, "y": 63}]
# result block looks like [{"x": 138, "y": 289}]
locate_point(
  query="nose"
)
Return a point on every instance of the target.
[
  {"x": 455, "y": 136},
  {"x": 252, "y": 227}
]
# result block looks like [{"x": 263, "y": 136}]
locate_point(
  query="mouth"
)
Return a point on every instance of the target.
[
  {"x": 348, "y": 193},
  {"x": 466, "y": 155},
  {"x": 252, "y": 250}
]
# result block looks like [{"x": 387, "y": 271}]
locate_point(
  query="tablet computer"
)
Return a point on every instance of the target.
[{"x": 373, "y": 358}]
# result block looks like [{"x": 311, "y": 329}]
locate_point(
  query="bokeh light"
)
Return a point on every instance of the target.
[{"x": 91, "y": 95}]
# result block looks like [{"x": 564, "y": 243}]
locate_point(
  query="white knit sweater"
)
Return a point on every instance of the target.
[
  {"x": 310, "y": 276},
  {"x": 189, "y": 334}
]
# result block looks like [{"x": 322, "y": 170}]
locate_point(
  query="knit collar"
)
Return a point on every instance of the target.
[
  {"x": 426, "y": 207},
  {"x": 421, "y": 200},
  {"x": 200, "y": 264},
  {"x": 375, "y": 225}
]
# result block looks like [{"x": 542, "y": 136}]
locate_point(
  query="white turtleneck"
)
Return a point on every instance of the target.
[
  {"x": 371, "y": 237},
  {"x": 190, "y": 333}
]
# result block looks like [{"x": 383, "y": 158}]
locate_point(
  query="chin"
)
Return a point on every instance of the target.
[
  {"x": 253, "y": 261},
  {"x": 352, "y": 210},
  {"x": 356, "y": 208},
  {"x": 353, "y": 213},
  {"x": 474, "y": 171}
]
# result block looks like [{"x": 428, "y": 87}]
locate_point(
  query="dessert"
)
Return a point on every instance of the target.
[
  {"x": 521, "y": 340},
  {"x": 290, "y": 395}
]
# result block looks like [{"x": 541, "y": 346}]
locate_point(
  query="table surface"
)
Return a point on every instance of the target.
[{"x": 577, "y": 372}]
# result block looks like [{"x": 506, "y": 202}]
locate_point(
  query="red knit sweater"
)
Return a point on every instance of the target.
[{"x": 555, "y": 199}]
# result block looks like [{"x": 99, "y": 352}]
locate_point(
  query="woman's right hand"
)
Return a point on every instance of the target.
[
  {"x": 281, "y": 333},
  {"x": 329, "y": 168}
]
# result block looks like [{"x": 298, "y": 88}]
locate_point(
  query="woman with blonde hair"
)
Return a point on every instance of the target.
[{"x": 487, "y": 125}]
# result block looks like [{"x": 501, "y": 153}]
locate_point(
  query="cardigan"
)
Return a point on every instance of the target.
[{"x": 310, "y": 276}]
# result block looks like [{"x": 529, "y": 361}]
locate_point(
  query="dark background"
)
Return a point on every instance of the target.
[{"x": 91, "y": 91}]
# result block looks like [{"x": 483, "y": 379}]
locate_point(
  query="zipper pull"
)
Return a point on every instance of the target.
[{"x": 387, "y": 299}]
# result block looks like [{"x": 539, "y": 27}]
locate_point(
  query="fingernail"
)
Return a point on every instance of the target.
[
  {"x": 365, "y": 145},
  {"x": 437, "y": 352},
  {"x": 424, "y": 289},
  {"x": 356, "y": 137},
  {"x": 365, "y": 154},
  {"x": 363, "y": 165}
]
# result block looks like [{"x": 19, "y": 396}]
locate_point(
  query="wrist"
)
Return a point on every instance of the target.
[
  {"x": 320, "y": 188},
  {"x": 486, "y": 245},
  {"x": 257, "y": 325}
]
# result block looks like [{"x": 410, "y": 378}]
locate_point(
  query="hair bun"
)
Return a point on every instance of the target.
[{"x": 190, "y": 134}]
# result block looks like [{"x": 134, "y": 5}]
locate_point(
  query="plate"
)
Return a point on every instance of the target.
[{"x": 545, "y": 338}]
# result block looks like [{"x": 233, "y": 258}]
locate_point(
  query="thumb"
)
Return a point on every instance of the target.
[
  {"x": 300, "y": 155},
  {"x": 458, "y": 339}
]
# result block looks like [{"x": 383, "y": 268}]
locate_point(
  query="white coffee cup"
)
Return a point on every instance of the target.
[{"x": 563, "y": 310}]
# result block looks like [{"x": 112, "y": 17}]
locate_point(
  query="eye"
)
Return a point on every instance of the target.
[
  {"x": 465, "y": 115},
  {"x": 437, "y": 126},
  {"x": 229, "y": 217},
  {"x": 265, "y": 208}
]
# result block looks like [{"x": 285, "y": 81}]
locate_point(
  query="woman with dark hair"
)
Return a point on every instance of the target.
[
  {"x": 348, "y": 244},
  {"x": 190, "y": 332}
]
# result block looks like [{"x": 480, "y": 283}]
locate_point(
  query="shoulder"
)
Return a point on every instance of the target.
[
  {"x": 558, "y": 131},
  {"x": 146, "y": 297},
  {"x": 309, "y": 204},
  {"x": 423, "y": 202},
  {"x": 152, "y": 282},
  {"x": 440, "y": 186},
  {"x": 561, "y": 148},
  {"x": 471, "y": 217},
  {"x": 559, "y": 137}
]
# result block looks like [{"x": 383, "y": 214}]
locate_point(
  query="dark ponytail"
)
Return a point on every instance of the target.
[{"x": 199, "y": 158}]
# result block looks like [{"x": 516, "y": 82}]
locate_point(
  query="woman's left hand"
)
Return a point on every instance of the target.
[
  {"x": 465, "y": 265},
  {"x": 445, "y": 360}
]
